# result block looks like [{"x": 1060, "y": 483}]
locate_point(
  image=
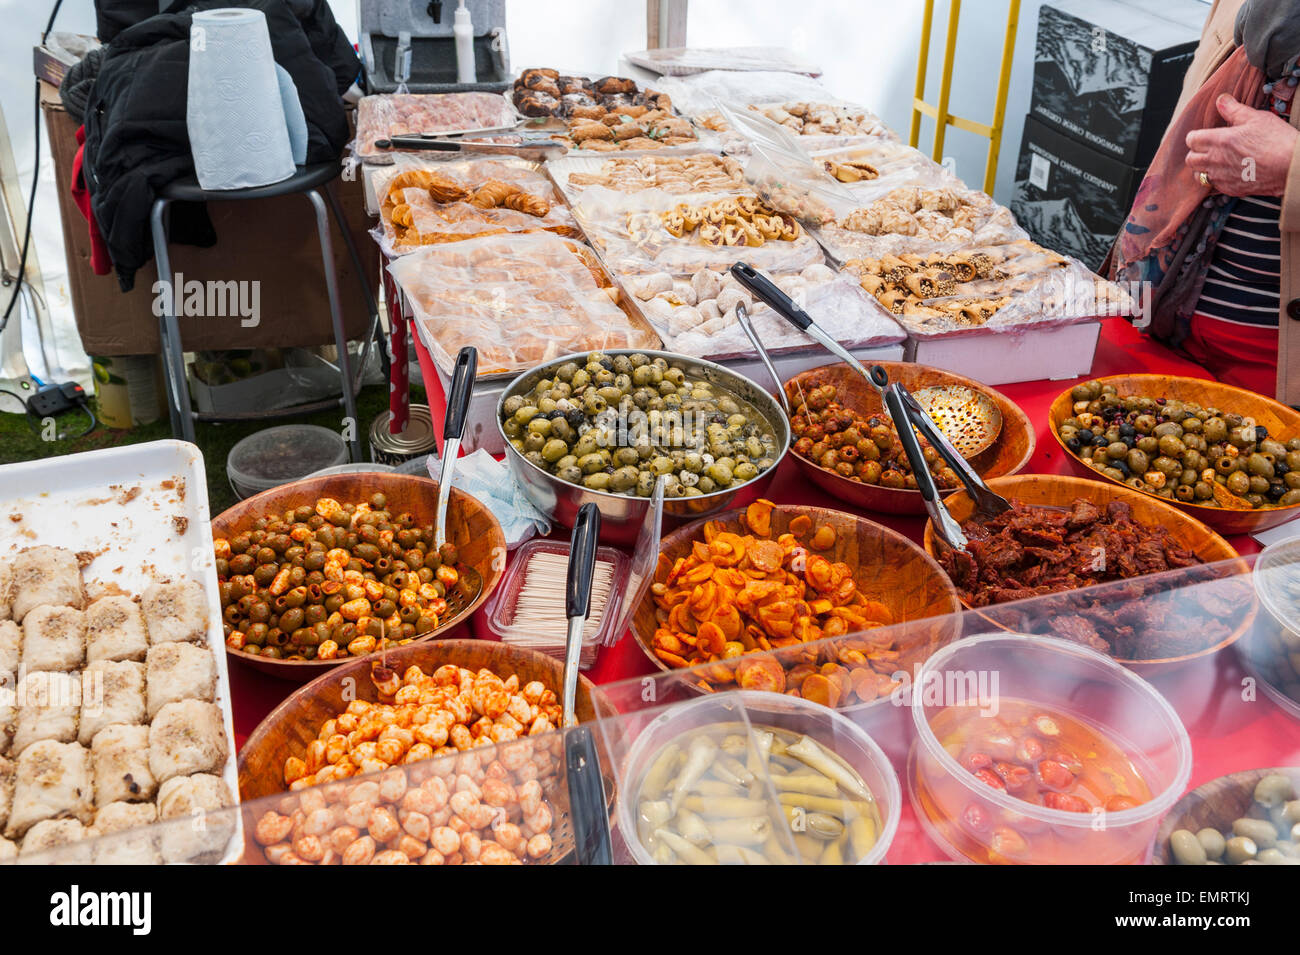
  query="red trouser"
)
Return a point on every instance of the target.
[{"x": 1241, "y": 355}]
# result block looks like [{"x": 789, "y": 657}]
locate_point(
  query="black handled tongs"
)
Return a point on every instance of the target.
[
  {"x": 906, "y": 413},
  {"x": 534, "y": 148},
  {"x": 588, "y": 812}
]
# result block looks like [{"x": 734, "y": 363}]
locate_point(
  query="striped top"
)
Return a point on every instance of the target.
[{"x": 1242, "y": 283}]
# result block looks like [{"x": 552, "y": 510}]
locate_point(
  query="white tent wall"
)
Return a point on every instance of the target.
[{"x": 866, "y": 47}]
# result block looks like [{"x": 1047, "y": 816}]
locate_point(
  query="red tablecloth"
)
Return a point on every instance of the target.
[{"x": 1231, "y": 729}]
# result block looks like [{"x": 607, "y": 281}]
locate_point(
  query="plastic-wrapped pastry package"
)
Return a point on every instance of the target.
[
  {"x": 916, "y": 218},
  {"x": 521, "y": 299},
  {"x": 688, "y": 61},
  {"x": 700, "y": 172},
  {"x": 410, "y": 114},
  {"x": 697, "y": 316},
  {"x": 427, "y": 202},
  {"x": 696, "y": 96},
  {"x": 870, "y": 170},
  {"x": 657, "y": 231},
  {"x": 949, "y": 292}
]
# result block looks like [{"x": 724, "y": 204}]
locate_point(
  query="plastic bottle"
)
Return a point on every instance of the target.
[{"x": 463, "y": 30}]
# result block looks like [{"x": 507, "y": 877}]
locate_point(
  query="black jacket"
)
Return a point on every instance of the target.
[{"x": 136, "y": 135}]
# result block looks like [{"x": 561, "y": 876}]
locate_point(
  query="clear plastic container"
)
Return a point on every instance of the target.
[
  {"x": 1271, "y": 650},
  {"x": 282, "y": 454},
  {"x": 747, "y": 712},
  {"x": 360, "y": 468},
  {"x": 499, "y": 612},
  {"x": 986, "y": 680}
]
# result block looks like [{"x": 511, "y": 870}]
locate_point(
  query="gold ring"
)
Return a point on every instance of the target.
[{"x": 1204, "y": 178}]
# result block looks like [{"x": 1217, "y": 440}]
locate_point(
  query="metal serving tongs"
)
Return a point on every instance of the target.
[
  {"x": 535, "y": 148},
  {"x": 587, "y": 808},
  {"x": 470, "y": 582},
  {"x": 903, "y": 409}
]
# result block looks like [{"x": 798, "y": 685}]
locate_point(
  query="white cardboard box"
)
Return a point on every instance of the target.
[{"x": 1002, "y": 357}]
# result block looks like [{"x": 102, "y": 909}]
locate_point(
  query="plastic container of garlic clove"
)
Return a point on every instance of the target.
[{"x": 527, "y": 609}]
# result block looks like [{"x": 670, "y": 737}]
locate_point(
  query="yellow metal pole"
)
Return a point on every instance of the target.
[
  {"x": 1000, "y": 108},
  {"x": 949, "y": 54},
  {"x": 922, "y": 63}
]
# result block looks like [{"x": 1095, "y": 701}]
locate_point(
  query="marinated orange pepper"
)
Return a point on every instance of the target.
[{"x": 735, "y": 594}]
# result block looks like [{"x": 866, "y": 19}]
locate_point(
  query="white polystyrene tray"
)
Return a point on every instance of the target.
[{"x": 79, "y": 502}]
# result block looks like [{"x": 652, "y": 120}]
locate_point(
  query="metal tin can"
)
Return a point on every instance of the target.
[{"x": 415, "y": 442}]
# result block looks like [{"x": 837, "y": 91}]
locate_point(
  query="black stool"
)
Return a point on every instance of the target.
[{"x": 310, "y": 181}]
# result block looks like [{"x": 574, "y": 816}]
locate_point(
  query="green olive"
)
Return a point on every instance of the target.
[
  {"x": 1258, "y": 831},
  {"x": 1239, "y": 849},
  {"x": 1212, "y": 842},
  {"x": 1238, "y": 483},
  {"x": 1186, "y": 848},
  {"x": 553, "y": 450},
  {"x": 598, "y": 481},
  {"x": 1273, "y": 790}
]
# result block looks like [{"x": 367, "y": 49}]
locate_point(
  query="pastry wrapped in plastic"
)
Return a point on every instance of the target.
[
  {"x": 115, "y": 630},
  {"x": 6, "y": 791},
  {"x": 520, "y": 299},
  {"x": 52, "y": 780},
  {"x": 45, "y": 576},
  {"x": 478, "y": 197},
  {"x": 6, "y": 589},
  {"x": 405, "y": 114}
]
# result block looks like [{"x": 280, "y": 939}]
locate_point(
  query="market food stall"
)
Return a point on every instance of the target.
[{"x": 805, "y": 636}]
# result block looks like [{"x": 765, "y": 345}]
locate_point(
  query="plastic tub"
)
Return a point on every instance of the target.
[
  {"x": 361, "y": 468},
  {"x": 973, "y": 821},
  {"x": 499, "y": 612},
  {"x": 282, "y": 454},
  {"x": 752, "y": 710},
  {"x": 1271, "y": 651}
]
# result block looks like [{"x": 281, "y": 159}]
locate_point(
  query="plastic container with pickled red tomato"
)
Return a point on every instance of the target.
[{"x": 974, "y": 822}]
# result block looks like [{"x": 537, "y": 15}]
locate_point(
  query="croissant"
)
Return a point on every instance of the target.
[
  {"x": 526, "y": 202},
  {"x": 491, "y": 194}
]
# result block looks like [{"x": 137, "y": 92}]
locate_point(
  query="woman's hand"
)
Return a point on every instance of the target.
[{"x": 1251, "y": 156}]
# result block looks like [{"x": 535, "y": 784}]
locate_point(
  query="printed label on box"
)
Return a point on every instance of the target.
[{"x": 1039, "y": 168}]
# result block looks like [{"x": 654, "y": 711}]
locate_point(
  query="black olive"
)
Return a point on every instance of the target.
[
  {"x": 607, "y": 364},
  {"x": 1127, "y": 431},
  {"x": 1130, "y": 440},
  {"x": 575, "y": 417},
  {"x": 1100, "y": 441},
  {"x": 1275, "y": 491},
  {"x": 557, "y": 413},
  {"x": 1084, "y": 435},
  {"x": 1073, "y": 443},
  {"x": 1280, "y": 469},
  {"x": 1120, "y": 466},
  {"x": 1261, "y": 432}
]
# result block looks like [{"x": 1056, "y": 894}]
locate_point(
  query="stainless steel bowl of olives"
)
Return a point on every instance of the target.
[
  {"x": 1181, "y": 451},
  {"x": 604, "y": 426}
]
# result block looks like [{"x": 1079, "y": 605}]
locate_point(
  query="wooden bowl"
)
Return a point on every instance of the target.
[
  {"x": 1215, "y": 805},
  {"x": 1282, "y": 423},
  {"x": 1059, "y": 491},
  {"x": 887, "y": 566},
  {"x": 293, "y": 724},
  {"x": 1007, "y": 455},
  {"x": 470, "y": 526}
]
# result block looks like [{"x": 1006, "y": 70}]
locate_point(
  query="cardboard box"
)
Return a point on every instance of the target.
[
  {"x": 1109, "y": 73},
  {"x": 1020, "y": 354},
  {"x": 271, "y": 241},
  {"x": 1070, "y": 197}
]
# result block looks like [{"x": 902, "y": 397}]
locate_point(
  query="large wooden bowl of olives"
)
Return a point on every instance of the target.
[{"x": 1226, "y": 455}]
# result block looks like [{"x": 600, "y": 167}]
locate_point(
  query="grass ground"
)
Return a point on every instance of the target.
[{"x": 19, "y": 443}]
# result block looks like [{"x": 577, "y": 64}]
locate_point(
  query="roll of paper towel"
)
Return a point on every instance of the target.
[{"x": 234, "y": 114}]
